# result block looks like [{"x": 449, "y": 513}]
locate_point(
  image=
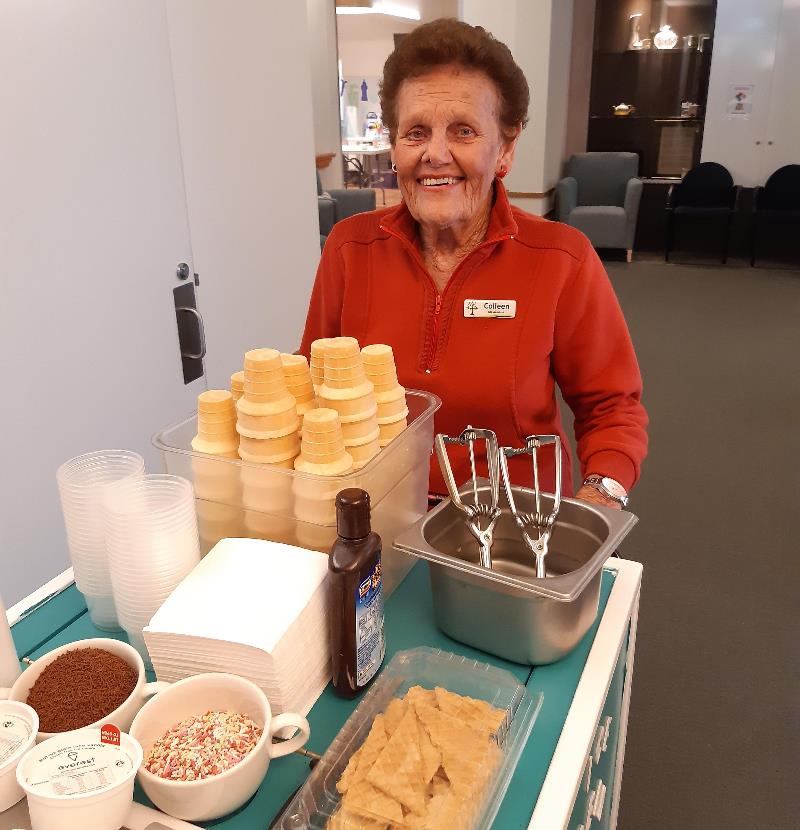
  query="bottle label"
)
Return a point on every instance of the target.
[{"x": 370, "y": 645}]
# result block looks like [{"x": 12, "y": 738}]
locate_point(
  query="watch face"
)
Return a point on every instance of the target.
[{"x": 614, "y": 487}]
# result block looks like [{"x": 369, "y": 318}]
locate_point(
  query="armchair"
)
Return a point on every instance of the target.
[
  {"x": 600, "y": 196},
  {"x": 335, "y": 205}
]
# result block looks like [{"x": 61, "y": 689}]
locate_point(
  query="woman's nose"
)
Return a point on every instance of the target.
[{"x": 438, "y": 149}]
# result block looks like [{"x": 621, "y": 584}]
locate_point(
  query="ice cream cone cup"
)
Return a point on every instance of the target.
[
  {"x": 269, "y": 450},
  {"x": 397, "y": 392},
  {"x": 216, "y": 401},
  {"x": 237, "y": 384},
  {"x": 338, "y": 348},
  {"x": 392, "y": 411},
  {"x": 391, "y": 430},
  {"x": 378, "y": 354},
  {"x": 332, "y": 468},
  {"x": 364, "y": 453},
  {"x": 261, "y": 360},
  {"x": 229, "y": 448},
  {"x": 360, "y": 432},
  {"x": 294, "y": 364},
  {"x": 287, "y": 403}
]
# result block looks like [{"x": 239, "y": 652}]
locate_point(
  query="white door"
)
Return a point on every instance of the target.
[
  {"x": 781, "y": 141},
  {"x": 745, "y": 35},
  {"x": 93, "y": 221}
]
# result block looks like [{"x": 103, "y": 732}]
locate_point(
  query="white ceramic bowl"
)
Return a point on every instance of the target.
[
  {"x": 218, "y": 795},
  {"x": 18, "y": 727},
  {"x": 123, "y": 715},
  {"x": 97, "y": 791}
]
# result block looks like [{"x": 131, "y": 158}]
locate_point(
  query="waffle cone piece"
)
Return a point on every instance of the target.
[{"x": 398, "y": 769}]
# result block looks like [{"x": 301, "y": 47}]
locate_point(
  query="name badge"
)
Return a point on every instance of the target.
[{"x": 490, "y": 308}]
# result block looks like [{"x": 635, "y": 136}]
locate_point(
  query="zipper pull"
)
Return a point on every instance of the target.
[{"x": 438, "y": 306}]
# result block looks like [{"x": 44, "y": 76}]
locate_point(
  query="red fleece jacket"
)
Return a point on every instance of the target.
[{"x": 496, "y": 373}]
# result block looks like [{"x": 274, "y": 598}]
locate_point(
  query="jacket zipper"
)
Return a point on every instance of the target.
[
  {"x": 438, "y": 305},
  {"x": 435, "y": 339}
]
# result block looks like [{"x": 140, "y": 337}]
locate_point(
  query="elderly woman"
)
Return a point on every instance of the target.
[{"x": 484, "y": 305}]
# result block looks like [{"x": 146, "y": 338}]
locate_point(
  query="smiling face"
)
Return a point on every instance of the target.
[{"x": 449, "y": 146}]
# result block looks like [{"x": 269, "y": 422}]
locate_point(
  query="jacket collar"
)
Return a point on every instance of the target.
[{"x": 399, "y": 222}]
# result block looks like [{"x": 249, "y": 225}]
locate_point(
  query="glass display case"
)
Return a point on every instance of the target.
[{"x": 654, "y": 57}]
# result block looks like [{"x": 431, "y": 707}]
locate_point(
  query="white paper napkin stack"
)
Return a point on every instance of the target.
[{"x": 254, "y": 608}]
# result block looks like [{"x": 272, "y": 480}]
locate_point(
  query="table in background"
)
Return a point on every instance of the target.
[
  {"x": 365, "y": 158},
  {"x": 568, "y": 776}
]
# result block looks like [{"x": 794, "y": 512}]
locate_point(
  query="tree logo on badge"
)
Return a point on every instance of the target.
[{"x": 473, "y": 307}]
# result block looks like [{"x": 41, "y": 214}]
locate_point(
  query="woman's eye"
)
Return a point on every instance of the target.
[
  {"x": 465, "y": 132},
  {"x": 415, "y": 135}
]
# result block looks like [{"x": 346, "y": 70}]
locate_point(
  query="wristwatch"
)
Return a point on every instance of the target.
[{"x": 608, "y": 487}]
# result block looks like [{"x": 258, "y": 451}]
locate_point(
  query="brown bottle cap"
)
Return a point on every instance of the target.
[{"x": 352, "y": 513}]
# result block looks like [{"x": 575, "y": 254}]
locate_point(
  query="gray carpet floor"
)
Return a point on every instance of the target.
[{"x": 713, "y": 735}]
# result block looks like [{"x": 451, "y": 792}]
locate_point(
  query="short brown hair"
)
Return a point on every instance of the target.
[{"x": 450, "y": 41}]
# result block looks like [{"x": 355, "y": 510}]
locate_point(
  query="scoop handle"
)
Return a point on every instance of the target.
[{"x": 295, "y": 742}]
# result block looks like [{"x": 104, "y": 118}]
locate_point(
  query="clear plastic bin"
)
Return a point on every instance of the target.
[
  {"x": 236, "y": 499},
  {"x": 318, "y": 799}
]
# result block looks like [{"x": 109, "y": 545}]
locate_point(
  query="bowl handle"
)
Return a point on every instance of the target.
[
  {"x": 150, "y": 689},
  {"x": 295, "y": 742}
]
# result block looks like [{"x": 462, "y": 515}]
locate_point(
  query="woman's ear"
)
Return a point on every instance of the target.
[{"x": 505, "y": 159}]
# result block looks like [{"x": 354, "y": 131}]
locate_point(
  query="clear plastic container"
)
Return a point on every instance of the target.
[
  {"x": 318, "y": 799},
  {"x": 298, "y": 508}
]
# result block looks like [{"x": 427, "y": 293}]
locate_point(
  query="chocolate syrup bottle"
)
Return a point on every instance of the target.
[{"x": 356, "y": 622}]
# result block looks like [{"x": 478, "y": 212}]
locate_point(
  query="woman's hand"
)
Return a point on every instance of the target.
[{"x": 594, "y": 496}]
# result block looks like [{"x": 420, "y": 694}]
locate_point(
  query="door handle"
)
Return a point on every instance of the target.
[{"x": 200, "y": 331}]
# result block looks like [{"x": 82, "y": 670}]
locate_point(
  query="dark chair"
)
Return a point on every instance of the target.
[
  {"x": 777, "y": 203},
  {"x": 706, "y": 193},
  {"x": 334, "y": 205}
]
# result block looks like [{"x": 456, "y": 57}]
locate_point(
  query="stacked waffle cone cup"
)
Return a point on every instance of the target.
[
  {"x": 297, "y": 374},
  {"x": 390, "y": 396},
  {"x": 317, "y": 363},
  {"x": 267, "y": 413},
  {"x": 348, "y": 391},
  {"x": 216, "y": 424},
  {"x": 237, "y": 385}
]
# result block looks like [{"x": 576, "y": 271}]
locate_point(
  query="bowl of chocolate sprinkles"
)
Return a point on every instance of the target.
[{"x": 85, "y": 683}]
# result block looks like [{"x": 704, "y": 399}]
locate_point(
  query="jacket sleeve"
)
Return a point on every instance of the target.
[
  {"x": 596, "y": 368},
  {"x": 324, "y": 317}
]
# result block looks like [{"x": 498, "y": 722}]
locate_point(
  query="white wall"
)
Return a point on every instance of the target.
[
  {"x": 323, "y": 56},
  {"x": 248, "y": 158},
  {"x": 539, "y": 34},
  {"x": 755, "y": 43}
]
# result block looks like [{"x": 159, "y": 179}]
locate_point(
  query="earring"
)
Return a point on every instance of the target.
[
  {"x": 394, "y": 167},
  {"x": 501, "y": 173}
]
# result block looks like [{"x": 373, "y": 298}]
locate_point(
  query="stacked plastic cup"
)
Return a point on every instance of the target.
[
  {"x": 152, "y": 545},
  {"x": 297, "y": 374},
  {"x": 323, "y": 455},
  {"x": 317, "y": 365},
  {"x": 237, "y": 385},
  {"x": 83, "y": 484},
  {"x": 350, "y": 393},
  {"x": 390, "y": 396}
]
